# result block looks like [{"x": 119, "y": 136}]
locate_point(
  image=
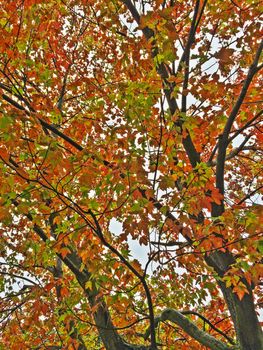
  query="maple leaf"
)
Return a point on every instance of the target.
[
  {"x": 225, "y": 57},
  {"x": 130, "y": 178}
]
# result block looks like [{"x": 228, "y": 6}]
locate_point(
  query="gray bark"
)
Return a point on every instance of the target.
[
  {"x": 191, "y": 329},
  {"x": 243, "y": 312}
]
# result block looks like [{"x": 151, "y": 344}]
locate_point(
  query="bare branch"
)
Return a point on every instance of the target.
[
  {"x": 191, "y": 329},
  {"x": 209, "y": 323},
  {"x": 247, "y": 125},
  {"x": 223, "y": 139}
]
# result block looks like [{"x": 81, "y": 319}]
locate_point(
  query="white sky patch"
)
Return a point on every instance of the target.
[{"x": 137, "y": 251}]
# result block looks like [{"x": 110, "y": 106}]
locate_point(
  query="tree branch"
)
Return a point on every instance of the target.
[
  {"x": 209, "y": 323},
  {"x": 223, "y": 140},
  {"x": 137, "y": 274},
  {"x": 236, "y": 133},
  {"x": 186, "y": 54},
  {"x": 108, "y": 333},
  {"x": 236, "y": 150},
  {"x": 191, "y": 329},
  {"x": 192, "y": 154},
  {"x": 250, "y": 195},
  {"x": 247, "y": 125}
]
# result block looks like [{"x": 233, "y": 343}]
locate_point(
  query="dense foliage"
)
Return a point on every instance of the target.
[{"x": 130, "y": 124}]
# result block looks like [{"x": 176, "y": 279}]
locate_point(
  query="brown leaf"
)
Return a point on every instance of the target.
[{"x": 225, "y": 56}]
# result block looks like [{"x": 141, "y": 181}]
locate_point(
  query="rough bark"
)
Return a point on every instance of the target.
[
  {"x": 247, "y": 326},
  {"x": 243, "y": 313},
  {"x": 191, "y": 329}
]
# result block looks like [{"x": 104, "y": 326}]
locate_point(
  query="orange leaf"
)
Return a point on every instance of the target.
[
  {"x": 4, "y": 154},
  {"x": 64, "y": 252},
  {"x": 64, "y": 291},
  {"x": 225, "y": 55}
]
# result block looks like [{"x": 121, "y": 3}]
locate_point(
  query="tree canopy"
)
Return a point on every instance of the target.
[{"x": 131, "y": 123}]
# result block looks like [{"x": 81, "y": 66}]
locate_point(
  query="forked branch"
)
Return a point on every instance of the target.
[{"x": 191, "y": 329}]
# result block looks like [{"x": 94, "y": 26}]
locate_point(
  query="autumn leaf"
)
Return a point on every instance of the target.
[
  {"x": 240, "y": 289},
  {"x": 130, "y": 174},
  {"x": 225, "y": 56}
]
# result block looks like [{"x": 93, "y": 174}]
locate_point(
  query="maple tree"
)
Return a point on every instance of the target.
[{"x": 130, "y": 121}]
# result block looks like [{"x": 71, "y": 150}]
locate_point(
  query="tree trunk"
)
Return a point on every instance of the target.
[{"x": 248, "y": 331}]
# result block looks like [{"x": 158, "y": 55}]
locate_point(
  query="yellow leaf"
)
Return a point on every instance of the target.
[
  {"x": 88, "y": 285},
  {"x": 57, "y": 220}
]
